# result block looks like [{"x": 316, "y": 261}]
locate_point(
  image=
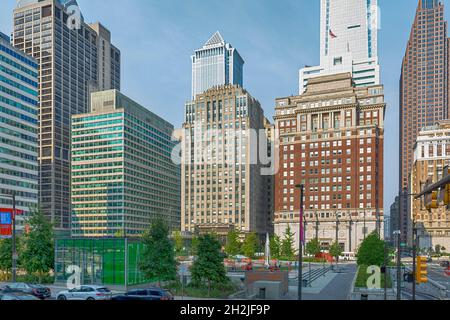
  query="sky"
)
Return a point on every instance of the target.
[{"x": 275, "y": 37}]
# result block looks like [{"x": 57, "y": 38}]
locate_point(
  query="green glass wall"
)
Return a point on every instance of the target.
[{"x": 113, "y": 262}]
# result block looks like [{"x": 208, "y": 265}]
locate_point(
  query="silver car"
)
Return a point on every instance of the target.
[{"x": 87, "y": 292}]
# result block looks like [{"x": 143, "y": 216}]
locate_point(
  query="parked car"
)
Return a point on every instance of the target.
[
  {"x": 85, "y": 293},
  {"x": 152, "y": 294},
  {"x": 36, "y": 290},
  {"x": 445, "y": 264},
  {"x": 15, "y": 296}
]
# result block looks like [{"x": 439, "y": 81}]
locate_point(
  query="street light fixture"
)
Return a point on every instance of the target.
[
  {"x": 300, "y": 243},
  {"x": 12, "y": 196},
  {"x": 399, "y": 272}
]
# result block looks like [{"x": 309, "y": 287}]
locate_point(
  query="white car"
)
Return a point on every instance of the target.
[{"x": 85, "y": 293}]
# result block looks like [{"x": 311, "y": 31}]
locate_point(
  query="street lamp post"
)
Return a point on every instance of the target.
[
  {"x": 414, "y": 243},
  {"x": 350, "y": 233},
  {"x": 317, "y": 226},
  {"x": 399, "y": 271},
  {"x": 13, "y": 220},
  {"x": 365, "y": 227},
  {"x": 300, "y": 243}
]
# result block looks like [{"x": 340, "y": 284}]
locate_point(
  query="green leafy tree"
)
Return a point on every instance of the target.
[
  {"x": 233, "y": 246},
  {"x": 275, "y": 247},
  {"x": 250, "y": 245},
  {"x": 209, "y": 268},
  {"x": 37, "y": 246},
  {"x": 179, "y": 243},
  {"x": 6, "y": 257},
  {"x": 194, "y": 246},
  {"x": 336, "y": 251},
  {"x": 371, "y": 251},
  {"x": 158, "y": 258},
  {"x": 313, "y": 247},
  {"x": 287, "y": 245}
]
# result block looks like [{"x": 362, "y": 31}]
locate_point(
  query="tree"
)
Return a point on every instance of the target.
[
  {"x": 371, "y": 251},
  {"x": 275, "y": 247},
  {"x": 179, "y": 243},
  {"x": 287, "y": 245},
  {"x": 250, "y": 245},
  {"x": 194, "y": 246},
  {"x": 438, "y": 249},
  {"x": 336, "y": 251},
  {"x": 313, "y": 247},
  {"x": 233, "y": 246},
  {"x": 6, "y": 256},
  {"x": 37, "y": 252},
  {"x": 158, "y": 258},
  {"x": 209, "y": 268}
]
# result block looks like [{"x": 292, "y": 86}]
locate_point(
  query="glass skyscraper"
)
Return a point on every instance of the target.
[
  {"x": 348, "y": 42},
  {"x": 123, "y": 176},
  {"x": 18, "y": 127},
  {"x": 216, "y": 63},
  {"x": 72, "y": 63}
]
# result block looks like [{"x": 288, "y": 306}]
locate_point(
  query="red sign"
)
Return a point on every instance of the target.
[
  {"x": 5, "y": 231},
  {"x": 6, "y": 220}
]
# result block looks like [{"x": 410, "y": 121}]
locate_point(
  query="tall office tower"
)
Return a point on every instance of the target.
[
  {"x": 348, "y": 42},
  {"x": 393, "y": 220},
  {"x": 123, "y": 176},
  {"x": 331, "y": 141},
  {"x": 431, "y": 156},
  {"x": 216, "y": 63},
  {"x": 424, "y": 87},
  {"x": 18, "y": 127},
  {"x": 72, "y": 63},
  {"x": 223, "y": 185}
]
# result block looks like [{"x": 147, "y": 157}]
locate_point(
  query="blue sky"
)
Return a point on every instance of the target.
[{"x": 275, "y": 38}]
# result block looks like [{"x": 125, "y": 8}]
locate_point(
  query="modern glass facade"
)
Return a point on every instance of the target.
[
  {"x": 18, "y": 126},
  {"x": 113, "y": 262},
  {"x": 216, "y": 63},
  {"x": 348, "y": 42},
  {"x": 72, "y": 63},
  {"x": 123, "y": 177}
]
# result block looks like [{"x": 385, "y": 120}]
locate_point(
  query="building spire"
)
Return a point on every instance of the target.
[{"x": 215, "y": 40}]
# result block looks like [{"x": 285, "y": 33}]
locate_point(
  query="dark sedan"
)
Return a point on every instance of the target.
[
  {"x": 152, "y": 294},
  {"x": 36, "y": 290}
]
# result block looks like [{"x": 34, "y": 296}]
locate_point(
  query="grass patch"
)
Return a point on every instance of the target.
[
  {"x": 217, "y": 292},
  {"x": 361, "y": 280}
]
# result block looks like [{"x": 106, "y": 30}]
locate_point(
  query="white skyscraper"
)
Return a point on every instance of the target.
[
  {"x": 217, "y": 63},
  {"x": 348, "y": 42}
]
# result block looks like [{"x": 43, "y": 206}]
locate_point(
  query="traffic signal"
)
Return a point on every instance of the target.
[
  {"x": 432, "y": 201},
  {"x": 421, "y": 270},
  {"x": 447, "y": 195}
]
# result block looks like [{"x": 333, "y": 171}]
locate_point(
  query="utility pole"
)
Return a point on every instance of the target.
[{"x": 300, "y": 243}]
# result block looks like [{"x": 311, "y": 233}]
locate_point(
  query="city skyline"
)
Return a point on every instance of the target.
[{"x": 273, "y": 52}]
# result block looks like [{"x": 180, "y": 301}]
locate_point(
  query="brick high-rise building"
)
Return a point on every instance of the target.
[
  {"x": 424, "y": 87},
  {"x": 73, "y": 62},
  {"x": 331, "y": 140}
]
